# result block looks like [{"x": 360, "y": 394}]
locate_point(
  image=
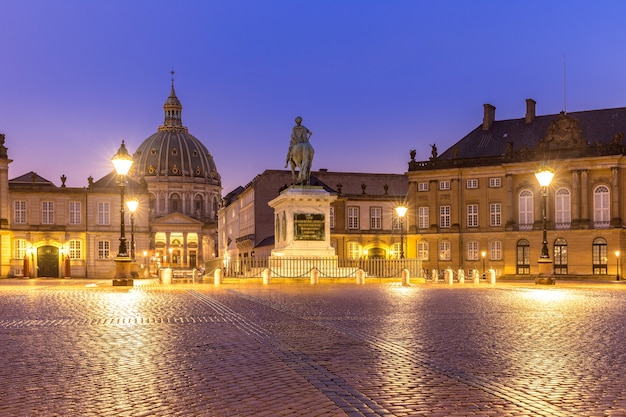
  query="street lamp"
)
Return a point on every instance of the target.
[
  {"x": 401, "y": 212},
  {"x": 132, "y": 207},
  {"x": 544, "y": 176},
  {"x": 483, "y": 254},
  {"x": 617, "y": 265},
  {"x": 122, "y": 161}
]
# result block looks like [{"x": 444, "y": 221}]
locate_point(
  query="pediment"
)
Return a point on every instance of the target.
[
  {"x": 564, "y": 132},
  {"x": 177, "y": 219}
]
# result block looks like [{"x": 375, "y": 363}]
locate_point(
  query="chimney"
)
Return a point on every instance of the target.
[
  {"x": 530, "y": 110},
  {"x": 490, "y": 116}
]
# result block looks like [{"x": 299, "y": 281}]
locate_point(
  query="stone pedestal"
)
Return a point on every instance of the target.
[
  {"x": 301, "y": 222},
  {"x": 123, "y": 277},
  {"x": 545, "y": 272}
]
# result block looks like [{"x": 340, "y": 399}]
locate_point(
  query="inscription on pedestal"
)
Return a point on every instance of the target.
[{"x": 308, "y": 226}]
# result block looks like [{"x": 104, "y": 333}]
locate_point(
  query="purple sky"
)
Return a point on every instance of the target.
[{"x": 371, "y": 79}]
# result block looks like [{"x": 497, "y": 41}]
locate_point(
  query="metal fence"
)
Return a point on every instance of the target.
[{"x": 332, "y": 267}]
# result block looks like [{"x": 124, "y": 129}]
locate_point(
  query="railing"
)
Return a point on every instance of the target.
[{"x": 332, "y": 267}]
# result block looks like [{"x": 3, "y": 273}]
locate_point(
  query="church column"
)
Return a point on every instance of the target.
[
  {"x": 185, "y": 254},
  {"x": 575, "y": 197},
  {"x": 616, "y": 215},
  {"x": 584, "y": 197},
  {"x": 167, "y": 249},
  {"x": 200, "y": 254}
]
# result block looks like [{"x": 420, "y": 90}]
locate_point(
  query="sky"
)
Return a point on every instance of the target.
[{"x": 371, "y": 79}]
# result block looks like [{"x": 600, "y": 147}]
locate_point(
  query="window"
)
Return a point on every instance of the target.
[
  {"x": 353, "y": 217},
  {"x": 472, "y": 250},
  {"x": 331, "y": 220},
  {"x": 526, "y": 216},
  {"x": 560, "y": 257},
  {"x": 523, "y": 257},
  {"x": 376, "y": 217},
  {"x": 444, "y": 185},
  {"x": 599, "y": 256},
  {"x": 472, "y": 215},
  {"x": 601, "y": 215},
  {"x": 19, "y": 248},
  {"x": 495, "y": 182},
  {"x": 473, "y": 183},
  {"x": 104, "y": 248},
  {"x": 47, "y": 212},
  {"x": 422, "y": 250},
  {"x": 444, "y": 216},
  {"x": 75, "y": 251},
  {"x": 423, "y": 221},
  {"x": 495, "y": 249},
  {"x": 495, "y": 214},
  {"x": 74, "y": 212},
  {"x": 19, "y": 212},
  {"x": 354, "y": 250},
  {"x": 422, "y": 186},
  {"x": 397, "y": 250},
  {"x": 445, "y": 250},
  {"x": 198, "y": 205},
  {"x": 396, "y": 222},
  {"x": 175, "y": 205},
  {"x": 562, "y": 205},
  {"x": 104, "y": 215}
]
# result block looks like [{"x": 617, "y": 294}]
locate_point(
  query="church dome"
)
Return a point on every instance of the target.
[{"x": 173, "y": 152}]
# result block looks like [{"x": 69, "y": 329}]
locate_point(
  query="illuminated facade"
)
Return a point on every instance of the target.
[
  {"x": 478, "y": 204},
  {"x": 54, "y": 231}
]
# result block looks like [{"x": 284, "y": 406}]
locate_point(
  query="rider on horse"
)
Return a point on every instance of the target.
[{"x": 299, "y": 134}]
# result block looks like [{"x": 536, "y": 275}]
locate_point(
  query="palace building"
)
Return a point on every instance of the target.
[
  {"x": 55, "y": 231},
  {"x": 479, "y": 205}
]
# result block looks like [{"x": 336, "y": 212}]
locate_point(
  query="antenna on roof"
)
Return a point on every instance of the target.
[
  {"x": 564, "y": 85},
  {"x": 172, "y": 72}
]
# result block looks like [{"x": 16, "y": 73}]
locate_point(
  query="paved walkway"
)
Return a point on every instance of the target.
[{"x": 85, "y": 348}]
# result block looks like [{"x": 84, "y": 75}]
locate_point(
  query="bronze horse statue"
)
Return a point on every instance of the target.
[{"x": 301, "y": 157}]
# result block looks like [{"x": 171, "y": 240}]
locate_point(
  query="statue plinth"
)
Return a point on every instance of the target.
[{"x": 301, "y": 222}]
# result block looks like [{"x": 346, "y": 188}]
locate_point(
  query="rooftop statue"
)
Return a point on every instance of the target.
[{"x": 300, "y": 154}]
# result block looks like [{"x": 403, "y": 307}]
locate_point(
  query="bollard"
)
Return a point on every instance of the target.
[
  {"x": 217, "y": 277},
  {"x": 360, "y": 277},
  {"x": 266, "y": 276},
  {"x": 492, "y": 276},
  {"x": 461, "y": 275},
  {"x": 315, "y": 276},
  {"x": 435, "y": 275},
  {"x": 475, "y": 276},
  {"x": 165, "y": 276},
  {"x": 406, "y": 278},
  {"x": 448, "y": 276}
]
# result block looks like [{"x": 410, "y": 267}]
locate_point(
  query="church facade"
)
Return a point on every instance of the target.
[
  {"x": 479, "y": 205},
  {"x": 57, "y": 231}
]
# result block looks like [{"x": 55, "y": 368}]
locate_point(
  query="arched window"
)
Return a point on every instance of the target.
[
  {"x": 563, "y": 208},
  {"x": 198, "y": 206},
  {"x": 525, "y": 204},
  {"x": 601, "y": 212},
  {"x": 175, "y": 203},
  {"x": 599, "y": 256},
  {"x": 523, "y": 257},
  {"x": 560, "y": 257}
]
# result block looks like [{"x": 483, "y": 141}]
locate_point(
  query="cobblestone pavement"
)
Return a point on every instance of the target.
[{"x": 80, "y": 348}]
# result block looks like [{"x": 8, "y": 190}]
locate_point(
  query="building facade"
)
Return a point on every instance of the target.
[
  {"x": 479, "y": 205},
  {"x": 55, "y": 231},
  {"x": 363, "y": 222}
]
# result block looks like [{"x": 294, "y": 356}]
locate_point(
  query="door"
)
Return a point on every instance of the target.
[{"x": 48, "y": 261}]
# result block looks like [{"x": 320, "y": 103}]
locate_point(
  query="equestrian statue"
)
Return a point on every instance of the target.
[{"x": 300, "y": 154}]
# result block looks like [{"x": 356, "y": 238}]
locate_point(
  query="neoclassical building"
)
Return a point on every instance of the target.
[
  {"x": 479, "y": 205},
  {"x": 53, "y": 231}
]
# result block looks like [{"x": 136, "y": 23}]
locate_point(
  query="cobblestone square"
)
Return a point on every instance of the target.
[{"x": 81, "y": 348}]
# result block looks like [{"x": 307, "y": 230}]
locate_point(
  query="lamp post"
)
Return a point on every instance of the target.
[
  {"x": 132, "y": 207},
  {"x": 122, "y": 161},
  {"x": 544, "y": 176},
  {"x": 483, "y": 254},
  {"x": 401, "y": 212},
  {"x": 617, "y": 265}
]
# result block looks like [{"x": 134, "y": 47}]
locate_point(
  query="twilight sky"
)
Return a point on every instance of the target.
[{"x": 371, "y": 79}]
